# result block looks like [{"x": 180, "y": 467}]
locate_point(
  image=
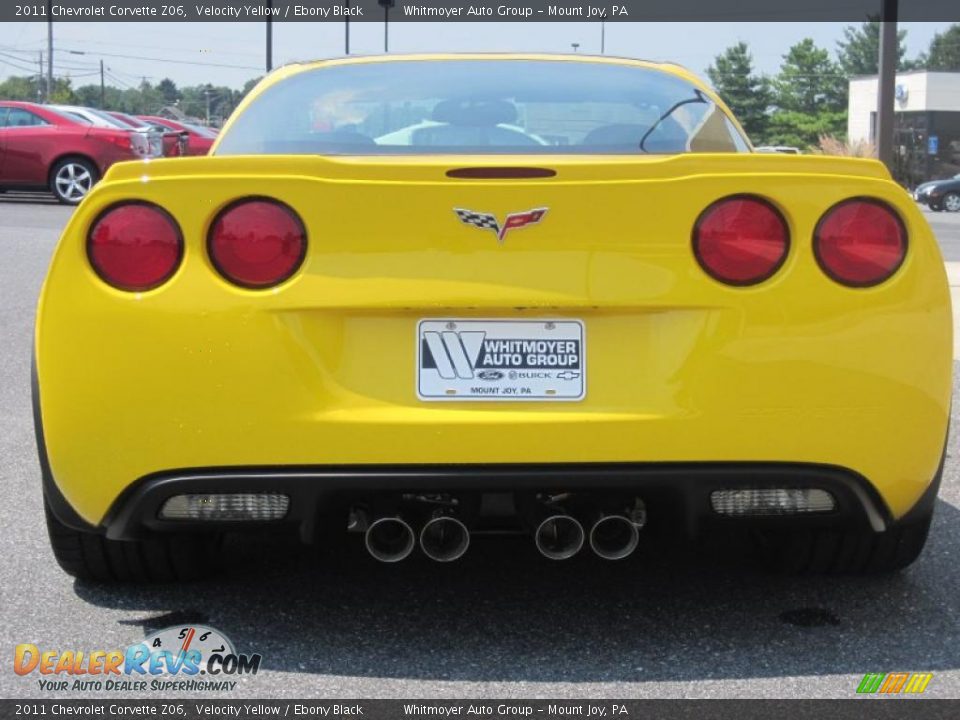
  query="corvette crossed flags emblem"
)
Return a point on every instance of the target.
[{"x": 513, "y": 221}]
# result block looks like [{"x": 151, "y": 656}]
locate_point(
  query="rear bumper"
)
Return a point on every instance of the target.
[{"x": 676, "y": 494}]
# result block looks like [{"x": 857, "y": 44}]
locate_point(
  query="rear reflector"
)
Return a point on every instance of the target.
[
  {"x": 771, "y": 501},
  {"x": 860, "y": 242},
  {"x": 257, "y": 242},
  {"x": 226, "y": 507},
  {"x": 741, "y": 240},
  {"x": 135, "y": 246}
]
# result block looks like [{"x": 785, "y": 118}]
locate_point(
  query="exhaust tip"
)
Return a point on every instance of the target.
[
  {"x": 390, "y": 539},
  {"x": 444, "y": 539},
  {"x": 614, "y": 537},
  {"x": 559, "y": 537}
]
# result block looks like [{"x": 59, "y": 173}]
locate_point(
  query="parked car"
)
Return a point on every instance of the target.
[
  {"x": 151, "y": 142},
  {"x": 940, "y": 195},
  {"x": 43, "y": 148},
  {"x": 172, "y": 143},
  {"x": 199, "y": 139}
]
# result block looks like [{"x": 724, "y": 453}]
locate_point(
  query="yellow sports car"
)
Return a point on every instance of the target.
[{"x": 416, "y": 298}]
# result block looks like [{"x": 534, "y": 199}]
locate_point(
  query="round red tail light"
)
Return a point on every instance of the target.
[
  {"x": 135, "y": 246},
  {"x": 741, "y": 240},
  {"x": 860, "y": 242},
  {"x": 257, "y": 242}
]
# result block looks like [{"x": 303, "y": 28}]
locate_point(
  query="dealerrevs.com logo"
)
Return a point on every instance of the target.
[{"x": 181, "y": 658}]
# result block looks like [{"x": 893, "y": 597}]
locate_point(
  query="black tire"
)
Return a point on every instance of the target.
[
  {"x": 161, "y": 558},
  {"x": 951, "y": 202},
  {"x": 72, "y": 178},
  {"x": 843, "y": 551}
]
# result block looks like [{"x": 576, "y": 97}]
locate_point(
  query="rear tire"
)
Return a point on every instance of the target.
[
  {"x": 845, "y": 551},
  {"x": 72, "y": 178},
  {"x": 160, "y": 558}
]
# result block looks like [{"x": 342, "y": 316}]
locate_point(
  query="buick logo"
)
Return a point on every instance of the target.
[{"x": 513, "y": 221}]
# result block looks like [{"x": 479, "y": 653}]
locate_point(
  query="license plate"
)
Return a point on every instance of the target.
[{"x": 504, "y": 360}]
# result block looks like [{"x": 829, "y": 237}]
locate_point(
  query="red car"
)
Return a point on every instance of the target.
[
  {"x": 199, "y": 138},
  {"x": 41, "y": 148},
  {"x": 168, "y": 143}
]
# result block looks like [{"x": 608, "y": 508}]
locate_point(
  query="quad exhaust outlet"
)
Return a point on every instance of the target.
[
  {"x": 444, "y": 539},
  {"x": 390, "y": 539},
  {"x": 614, "y": 537},
  {"x": 559, "y": 537}
]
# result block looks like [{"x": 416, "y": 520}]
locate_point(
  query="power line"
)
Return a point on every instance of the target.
[{"x": 181, "y": 62}]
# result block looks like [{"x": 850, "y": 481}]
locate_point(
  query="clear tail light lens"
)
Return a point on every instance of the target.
[
  {"x": 741, "y": 240},
  {"x": 860, "y": 242},
  {"x": 135, "y": 246},
  {"x": 257, "y": 242}
]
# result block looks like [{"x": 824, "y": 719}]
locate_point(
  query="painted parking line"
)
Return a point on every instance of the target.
[{"x": 953, "y": 275}]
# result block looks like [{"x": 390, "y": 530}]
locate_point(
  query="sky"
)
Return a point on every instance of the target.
[{"x": 232, "y": 53}]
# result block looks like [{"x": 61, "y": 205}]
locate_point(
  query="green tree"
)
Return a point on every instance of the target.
[
  {"x": 859, "y": 52},
  {"x": 810, "y": 95},
  {"x": 747, "y": 94},
  {"x": 944, "y": 52},
  {"x": 168, "y": 91}
]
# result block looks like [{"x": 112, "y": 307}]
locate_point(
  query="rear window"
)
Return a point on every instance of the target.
[{"x": 481, "y": 107}]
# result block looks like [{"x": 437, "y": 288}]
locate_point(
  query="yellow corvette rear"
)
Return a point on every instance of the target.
[{"x": 796, "y": 402}]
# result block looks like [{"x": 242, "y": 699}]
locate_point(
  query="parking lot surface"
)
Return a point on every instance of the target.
[{"x": 673, "y": 622}]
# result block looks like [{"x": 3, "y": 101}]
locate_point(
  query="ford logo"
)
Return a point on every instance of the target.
[{"x": 490, "y": 375}]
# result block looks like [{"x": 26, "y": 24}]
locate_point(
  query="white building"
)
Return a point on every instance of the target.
[{"x": 927, "y": 127}]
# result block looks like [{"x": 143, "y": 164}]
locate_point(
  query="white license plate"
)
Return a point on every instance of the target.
[{"x": 505, "y": 360}]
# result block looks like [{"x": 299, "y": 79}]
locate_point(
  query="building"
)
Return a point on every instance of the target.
[{"x": 927, "y": 126}]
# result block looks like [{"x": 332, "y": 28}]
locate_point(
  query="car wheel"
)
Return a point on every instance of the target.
[
  {"x": 160, "y": 558},
  {"x": 841, "y": 551},
  {"x": 951, "y": 202},
  {"x": 71, "y": 179}
]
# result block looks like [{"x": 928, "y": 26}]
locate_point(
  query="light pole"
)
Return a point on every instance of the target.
[
  {"x": 269, "y": 35},
  {"x": 346, "y": 36},
  {"x": 603, "y": 37},
  {"x": 887, "y": 81},
  {"x": 386, "y": 5},
  {"x": 49, "y": 49}
]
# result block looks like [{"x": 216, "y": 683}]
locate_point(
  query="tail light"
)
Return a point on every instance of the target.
[
  {"x": 257, "y": 242},
  {"x": 860, "y": 242},
  {"x": 121, "y": 139},
  {"x": 741, "y": 240},
  {"x": 135, "y": 246}
]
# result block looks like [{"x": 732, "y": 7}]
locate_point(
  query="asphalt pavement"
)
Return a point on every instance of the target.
[{"x": 694, "y": 622}]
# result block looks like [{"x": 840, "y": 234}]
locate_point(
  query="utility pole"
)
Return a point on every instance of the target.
[
  {"x": 40, "y": 80},
  {"x": 269, "y": 35},
  {"x": 49, "y": 49},
  {"x": 386, "y": 5},
  {"x": 603, "y": 37},
  {"x": 103, "y": 89},
  {"x": 206, "y": 95},
  {"x": 887, "y": 81},
  {"x": 346, "y": 37}
]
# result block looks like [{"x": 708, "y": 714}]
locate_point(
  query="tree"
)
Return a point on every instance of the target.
[
  {"x": 747, "y": 94},
  {"x": 858, "y": 53},
  {"x": 944, "y": 52},
  {"x": 168, "y": 90},
  {"x": 810, "y": 95}
]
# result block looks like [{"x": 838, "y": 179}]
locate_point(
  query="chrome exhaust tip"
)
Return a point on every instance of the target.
[
  {"x": 444, "y": 539},
  {"x": 559, "y": 537},
  {"x": 614, "y": 537},
  {"x": 390, "y": 539}
]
